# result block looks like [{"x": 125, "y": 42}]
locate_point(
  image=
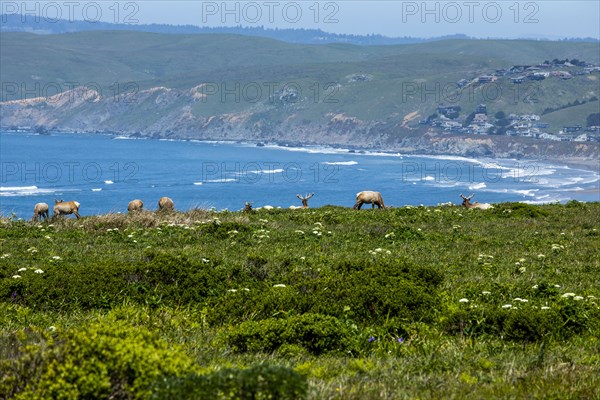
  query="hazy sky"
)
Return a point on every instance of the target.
[{"x": 509, "y": 19}]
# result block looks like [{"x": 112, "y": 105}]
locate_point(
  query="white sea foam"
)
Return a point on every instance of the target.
[
  {"x": 340, "y": 163},
  {"x": 198, "y": 183},
  {"x": 476, "y": 186},
  {"x": 128, "y": 138},
  {"x": 96, "y": 189},
  {"x": 8, "y": 191},
  {"x": 224, "y": 180},
  {"x": 108, "y": 182},
  {"x": 266, "y": 171}
]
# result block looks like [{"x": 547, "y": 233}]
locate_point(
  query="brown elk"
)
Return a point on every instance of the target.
[
  {"x": 62, "y": 207},
  {"x": 467, "y": 203},
  {"x": 135, "y": 205},
  {"x": 40, "y": 210},
  {"x": 373, "y": 198},
  {"x": 304, "y": 199},
  {"x": 166, "y": 203}
]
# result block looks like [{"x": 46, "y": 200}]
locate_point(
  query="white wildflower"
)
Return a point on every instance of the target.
[
  {"x": 522, "y": 260},
  {"x": 279, "y": 285},
  {"x": 390, "y": 235},
  {"x": 507, "y": 306},
  {"x": 534, "y": 286},
  {"x": 463, "y": 300},
  {"x": 232, "y": 290},
  {"x": 522, "y": 270},
  {"x": 298, "y": 231},
  {"x": 545, "y": 308},
  {"x": 5, "y": 255},
  {"x": 541, "y": 256},
  {"x": 486, "y": 292},
  {"x": 22, "y": 269},
  {"x": 16, "y": 276},
  {"x": 56, "y": 257},
  {"x": 578, "y": 298},
  {"x": 205, "y": 260},
  {"x": 568, "y": 295},
  {"x": 38, "y": 271}
]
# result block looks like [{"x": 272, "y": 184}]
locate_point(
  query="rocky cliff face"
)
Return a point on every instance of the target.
[{"x": 168, "y": 113}]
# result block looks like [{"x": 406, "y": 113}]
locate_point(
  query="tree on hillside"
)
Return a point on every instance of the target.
[{"x": 593, "y": 119}]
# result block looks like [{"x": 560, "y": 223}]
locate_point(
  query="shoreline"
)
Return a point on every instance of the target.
[{"x": 587, "y": 164}]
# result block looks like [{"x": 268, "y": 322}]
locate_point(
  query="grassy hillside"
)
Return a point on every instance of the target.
[
  {"x": 580, "y": 112},
  {"x": 414, "y": 302}
]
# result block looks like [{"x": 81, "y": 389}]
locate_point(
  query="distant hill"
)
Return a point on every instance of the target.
[
  {"x": 19, "y": 23},
  {"x": 234, "y": 87},
  {"x": 14, "y": 23}
]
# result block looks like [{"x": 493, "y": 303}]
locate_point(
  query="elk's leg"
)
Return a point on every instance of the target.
[{"x": 76, "y": 214}]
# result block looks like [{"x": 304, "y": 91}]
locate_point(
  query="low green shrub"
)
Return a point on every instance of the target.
[
  {"x": 101, "y": 360},
  {"x": 316, "y": 333}
]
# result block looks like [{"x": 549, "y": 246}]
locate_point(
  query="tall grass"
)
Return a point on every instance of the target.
[{"x": 414, "y": 302}]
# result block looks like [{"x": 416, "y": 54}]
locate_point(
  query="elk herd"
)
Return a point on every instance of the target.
[{"x": 61, "y": 207}]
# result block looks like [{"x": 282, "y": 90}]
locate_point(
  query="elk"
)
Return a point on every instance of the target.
[
  {"x": 135, "y": 205},
  {"x": 62, "y": 207},
  {"x": 467, "y": 203},
  {"x": 373, "y": 198},
  {"x": 40, "y": 210},
  {"x": 165, "y": 203},
  {"x": 304, "y": 199}
]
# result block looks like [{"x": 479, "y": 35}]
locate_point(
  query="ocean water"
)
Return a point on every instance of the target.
[{"x": 105, "y": 172}]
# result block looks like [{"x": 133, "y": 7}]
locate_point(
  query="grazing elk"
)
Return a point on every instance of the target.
[
  {"x": 166, "y": 203},
  {"x": 467, "y": 203},
  {"x": 304, "y": 201},
  {"x": 62, "y": 207},
  {"x": 40, "y": 210},
  {"x": 135, "y": 205},
  {"x": 373, "y": 198}
]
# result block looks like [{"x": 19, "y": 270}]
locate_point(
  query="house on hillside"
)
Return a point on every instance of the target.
[
  {"x": 486, "y": 79},
  {"x": 572, "y": 128}
]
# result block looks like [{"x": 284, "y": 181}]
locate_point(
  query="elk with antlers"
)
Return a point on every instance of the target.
[
  {"x": 304, "y": 199},
  {"x": 467, "y": 203}
]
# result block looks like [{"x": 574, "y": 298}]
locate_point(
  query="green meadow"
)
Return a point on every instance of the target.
[{"x": 327, "y": 303}]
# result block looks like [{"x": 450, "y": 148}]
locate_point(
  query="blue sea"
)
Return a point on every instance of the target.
[{"x": 105, "y": 172}]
